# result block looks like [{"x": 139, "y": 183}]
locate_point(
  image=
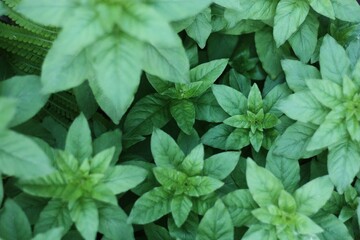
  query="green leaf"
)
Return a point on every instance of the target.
[
  {"x": 304, "y": 107},
  {"x": 168, "y": 63},
  {"x": 187, "y": 231},
  {"x": 7, "y": 109},
  {"x": 165, "y": 150},
  {"x": 304, "y": 225},
  {"x": 117, "y": 70},
  {"x": 325, "y": 91},
  {"x": 225, "y": 137},
  {"x": 231, "y": 100},
  {"x": 86, "y": 217},
  {"x": 101, "y": 161},
  {"x": 1, "y": 189},
  {"x": 54, "y": 234},
  {"x": 26, "y": 90},
  {"x": 240, "y": 204},
  {"x": 153, "y": 231},
  {"x": 78, "y": 139},
  {"x": 45, "y": 12},
  {"x": 173, "y": 11},
  {"x": 201, "y": 28},
  {"x": 216, "y": 224},
  {"x": 193, "y": 163},
  {"x": 286, "y": 202},
  {"x": 55, "y": 214},
  {"x": 290, "y": 14},
  {"x": 14, "y": 224},
  {"x": 113, "y": 223},
  {"x": 148, "y": 113},
  {"x": 285, "y": 169},
  {"x": 208, "y": 109},
  {"x": 343, "y": 164},
  {"x": 297, "y": 72},
  {"x": 313, "y": 195},
  {"x": 323, "y": 7},
  {"x": 180, "y": 208},
  {"x": 333, "y": 228},
  {"x": 220, "y": 165},
  {"x": 269, "y": 54},
  {"x": 199, "y": 186},
  {"x": 334, "y": 63},
  {"x": 265, "y": 188},
  {"x": 183, "y": 112},
  {"x": 122, "y": 178},
  {"x": 331, "y": 131},
  {"x": 21, "y": 157},
  {"x": 238, "y": 121},
  {"x": 255, "y": 102},
  {"x": 256, "y": 139},
  {"x": 346, "y": 10},
  {"x": 304, "y": 40},
  {"x": 151, "y": 206}
]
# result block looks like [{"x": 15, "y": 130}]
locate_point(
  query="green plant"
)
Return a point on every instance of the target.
[{"x": 190, "y": 120}]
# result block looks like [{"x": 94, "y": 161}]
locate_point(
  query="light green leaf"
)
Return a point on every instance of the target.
[
  {"x": 313, "y": 195},
  {"x": 216, "y": 224},
  {"x": 180, "y": 208},
  {"x": 346, "y": 10},
  {"x": 255, "y": 102},
  {"x": 201, "y": 28},
  {"x": 78, "y": 139},
  {"x": 113, "y": 223},
  {"x": 108, "y": 140},
  {"x": 290, "y": 14},
  {"x": 272, "y": 99},
  {"x": 304, "y": 107},
  {"x": 331, "y": 131},
  {"x": 269, "y": 54},
  {"x": 26, "y": 91},
  {"x": 101, "y": 161},
  {"x": 14, "y": 224},
  {"x": 333, "y": 228},
  {"x": 7, "y": 109},
  {"x": 256, "y": 139},
  {"x": 286, "y": 202},
  {"x": 255, "y": 9},
  {"x": 53, "y": 234},
  {"x": 183, "y": 111},
  {"x": 304, "y": 40},
  {"x": 325, "y": 91},
  {"x": 165, "y": 150},
  {"x": 304, "y": 225},
  {"x": 117, "y": 70},
  {"x": 168, "y": 63},
  {"x": 21, "y": 157},
  {"x": 193, "y": 163},
  {"x": 297, "y": 72},
  {"x": 220, "y": 165},
  {"x": 148, "y": 113},
  {"x": 260, "y": 231},
  {"x": 45, "y": 12},
  {"x": 343, "y": 164},
  {"x": 334, "y": 63},
  {"x": 231, "y": 100},
  {"x": 207, "y": 73},
  {"x": 265, "y": 188},
  {"x": 86, "y": 217},
  {"x": 238, "y": 121},
  {"x": 151, "y": 206},
  {"x": 55, "y": 214},
  {"x": 240, "y": 203},
  {"x": 324, "y": 7},
  {"x": 199, "y": 186},
  {"x": 173, "y": 11},
  {"x": 122, "y": 178}
]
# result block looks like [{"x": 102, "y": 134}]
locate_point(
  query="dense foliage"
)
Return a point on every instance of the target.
[{"x": 190, "y": 120}]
